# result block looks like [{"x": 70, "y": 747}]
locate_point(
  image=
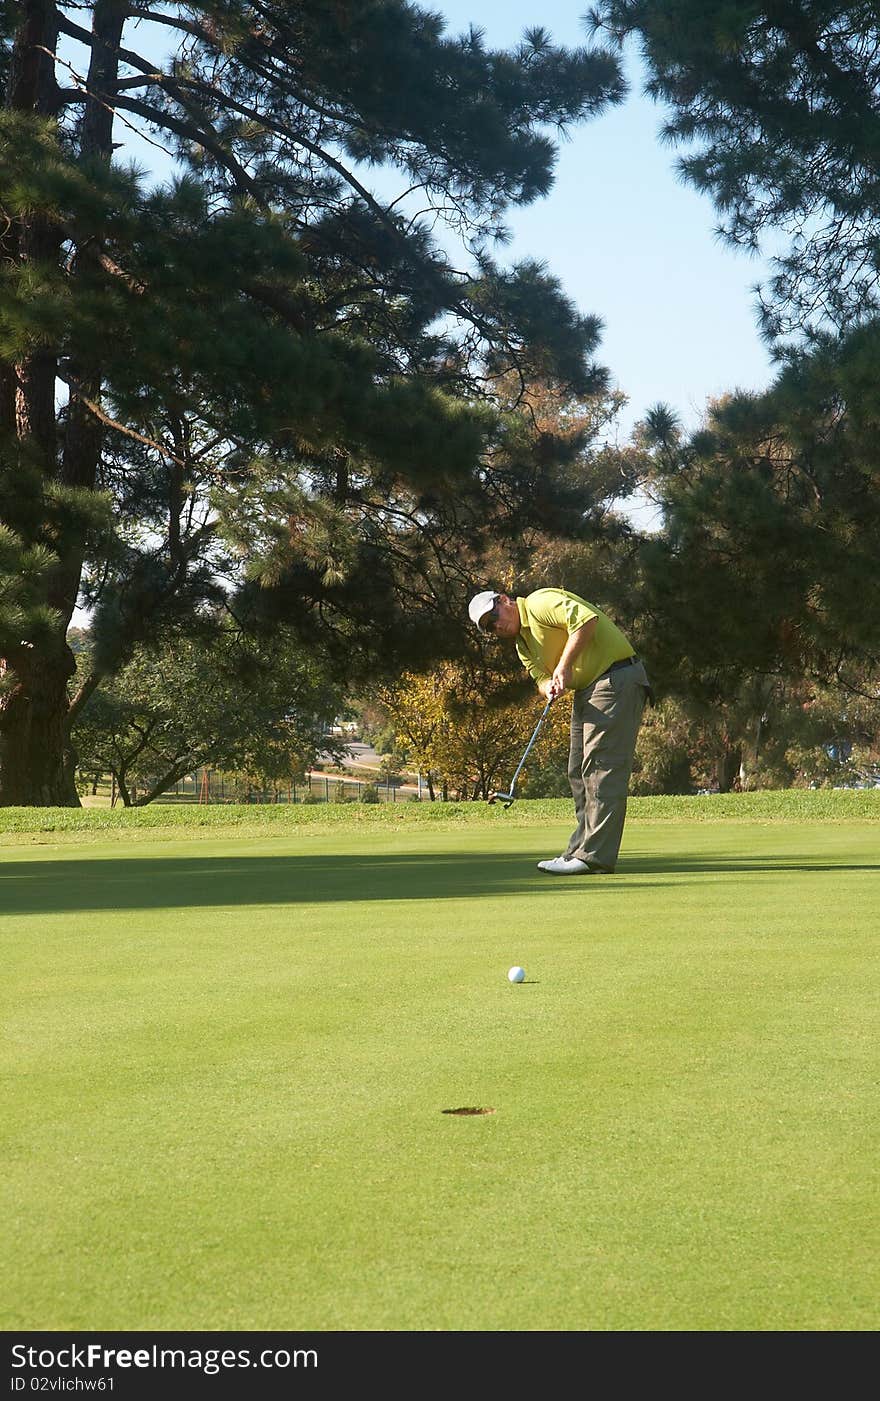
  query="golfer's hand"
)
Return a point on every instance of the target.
[
  {"x": 560, "y": 681},
  {"x": 546, "y": 689}
]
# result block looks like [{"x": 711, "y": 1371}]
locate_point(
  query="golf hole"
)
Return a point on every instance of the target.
[{"x": 470, "y": 1110}]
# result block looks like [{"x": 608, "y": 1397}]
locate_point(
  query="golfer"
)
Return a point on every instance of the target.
[{"x": 566, "y": 644}]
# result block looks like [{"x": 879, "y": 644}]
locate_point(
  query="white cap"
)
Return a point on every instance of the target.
[{"x": 480, "y": 605}]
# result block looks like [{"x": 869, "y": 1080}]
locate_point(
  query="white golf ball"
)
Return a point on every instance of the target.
[{"x": 516, "y": 975}]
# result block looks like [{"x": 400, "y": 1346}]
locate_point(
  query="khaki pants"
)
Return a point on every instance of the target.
[{"x": 605, "y": 720}]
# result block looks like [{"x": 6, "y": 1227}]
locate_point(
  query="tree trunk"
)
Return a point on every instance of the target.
[
  {"x": 727, "y": 768},
  {"x": 160, "y": 786},
  {"x": 122, "y": 789},
  {"x": 749, "y": 765},
  {"x": 37, "y": 762}
]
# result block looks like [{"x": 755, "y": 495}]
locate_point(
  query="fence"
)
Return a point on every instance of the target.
[{"x": 209, "y": 786}]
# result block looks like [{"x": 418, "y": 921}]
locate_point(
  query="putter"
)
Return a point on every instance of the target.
[{"x": 507, "y": 798}]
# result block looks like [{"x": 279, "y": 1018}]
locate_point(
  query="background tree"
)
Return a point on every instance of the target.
[
  {"x": 688, "y": 744},
  {"x": 270, "y": 378},
  {"x": 466, "y": 727},
  {"x": 764, "y": 570},
  {"x": 666, "y": 759},
  {"x": 778, "y": 107},
  {"x": 193, "y": 703},
  {"x": 572, "y": 530},
  {"x": 835, "y": 736},
  {"x": 414, "y": 720}
]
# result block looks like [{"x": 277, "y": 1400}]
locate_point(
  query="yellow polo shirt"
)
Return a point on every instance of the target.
[{"x": 548, "y": 617}]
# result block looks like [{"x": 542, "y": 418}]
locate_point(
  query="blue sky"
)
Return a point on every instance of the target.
[{"x": 630, "y": 243}]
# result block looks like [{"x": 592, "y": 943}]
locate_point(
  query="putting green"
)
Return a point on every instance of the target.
[{"x": 229, "y": 1058}]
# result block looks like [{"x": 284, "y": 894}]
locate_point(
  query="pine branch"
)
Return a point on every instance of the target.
[
  {"x": 207, "y": 137},
  {"x": 109, "y": 422},
  {"x": 270, "y": 73},
  {"x": 173, "y": 87},
  {"x": 185, "y": 26},
  {"x": 84, "y": 694},
  {"x": 71, "y": 97},
  {"x": 208, "y": 140},
  {"x": 87, "y": 247}
]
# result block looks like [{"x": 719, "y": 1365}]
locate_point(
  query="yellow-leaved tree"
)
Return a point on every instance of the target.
[{"x": 464, "y": 732}]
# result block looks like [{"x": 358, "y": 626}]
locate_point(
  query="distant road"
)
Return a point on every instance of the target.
[{"x": 363, "y": 756}]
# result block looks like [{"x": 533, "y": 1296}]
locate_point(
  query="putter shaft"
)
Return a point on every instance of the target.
[{"x": 508, "y": 798}]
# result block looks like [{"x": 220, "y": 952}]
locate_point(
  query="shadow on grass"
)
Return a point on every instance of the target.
[{"x": 47, "y": 887}]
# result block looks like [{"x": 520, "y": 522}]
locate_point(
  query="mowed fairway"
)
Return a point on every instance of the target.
[{"x": 228, "y": 1059}]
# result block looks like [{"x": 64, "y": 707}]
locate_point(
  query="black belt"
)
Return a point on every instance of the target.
[{"x": 615, "y": 666}]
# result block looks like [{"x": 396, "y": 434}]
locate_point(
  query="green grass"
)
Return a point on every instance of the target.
[
  {"x": 802, "y": 805},
  {"x": 228, "y": 1051}
]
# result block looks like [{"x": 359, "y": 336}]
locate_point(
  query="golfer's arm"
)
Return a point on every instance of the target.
[{"x": 576, "y": 643}]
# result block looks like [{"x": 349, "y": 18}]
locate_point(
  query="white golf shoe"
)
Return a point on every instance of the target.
[{"x": 564, "y": 866}]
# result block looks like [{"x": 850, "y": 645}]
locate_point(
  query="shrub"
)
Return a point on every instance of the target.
[{"x": 547, "y": 780}]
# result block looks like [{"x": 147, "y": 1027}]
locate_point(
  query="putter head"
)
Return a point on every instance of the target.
[{"x": 505, "y": 799}]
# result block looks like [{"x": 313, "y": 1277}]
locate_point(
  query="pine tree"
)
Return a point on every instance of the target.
[
  {"x": 766, "y": 567},
  {"x": 261, "y": 377},
  {"x": 777, "y": 107}
]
